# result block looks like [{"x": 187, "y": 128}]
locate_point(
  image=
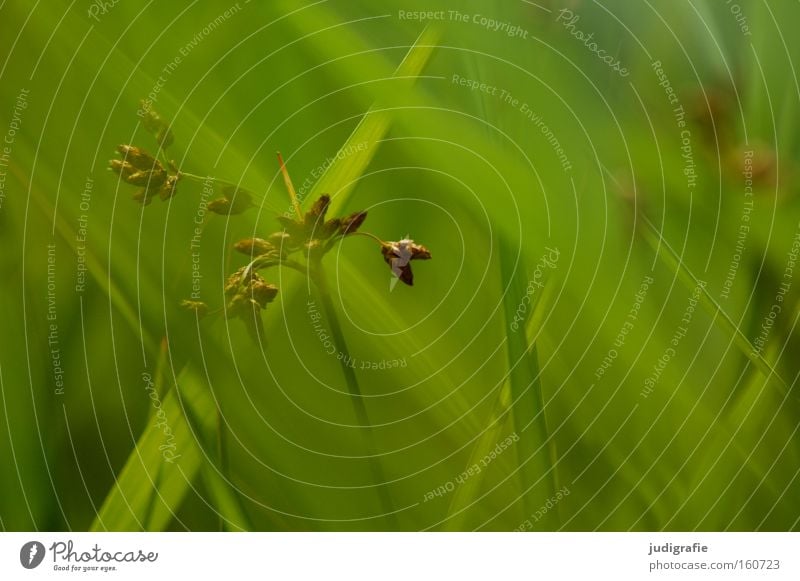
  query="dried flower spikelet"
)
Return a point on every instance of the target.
[
  {"x": 234, "y": 201},
  {"x": 237, "y": 195},
  {"x": 224, "y": 207},
  {"x": 312, "y": 231},
  {"x": 151, "y": 179},
  {"x": 295, "y": 231},
  {"x": 318, "y": 210},
  {"x": 313, "y": 248},
  {"x": 219, "y": 206},
  {"x": 144, "y": 196},
  {"x": 327, "y": 229},
  {"x": 254, "y": 247},
  {"x": 121, "y": 168},
  {"x": 139, "y": 168},
  {"x": 169, "y": 188},
  {"x": 351, "y": 223},
  {"x": 316, "y": 226},
  {"x": 139, "y": 158},
  {"x": 278, "y": 238},
  {"x": 263, "y": 293},
  {"x": 398, "y": 256},
  {"x": 282, "y": 242},
  {"x": 247, "y": 295},
  {"x": 199, "y": 307}
]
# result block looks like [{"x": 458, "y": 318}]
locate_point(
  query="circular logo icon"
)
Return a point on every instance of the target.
[{"x": 31, "y": 554}]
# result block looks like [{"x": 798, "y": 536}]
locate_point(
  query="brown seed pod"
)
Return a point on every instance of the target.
[
  {"x": 121, "y": 168},
  {"x": 254, "y": 246},
  {"x": 199, "y": 307},
  {"x": 139, "y": 158},
  {"x": 150, "y": 178},
  {"x": 169, "y": 188},
  {"x": 351, "y": 223},
  {"x": 220, "y": 206},
  {"x": 263, "y": 293}
]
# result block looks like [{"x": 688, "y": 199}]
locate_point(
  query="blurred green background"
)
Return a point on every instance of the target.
[{"x": 265, "y": 437}]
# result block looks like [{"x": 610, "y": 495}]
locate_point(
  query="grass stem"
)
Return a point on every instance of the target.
[
  {"x": 329, "y": 310},
  {"x": 690, "y": 281},
  {"x": 203, "y": 179},
  {"x": 222, "y": 454}
]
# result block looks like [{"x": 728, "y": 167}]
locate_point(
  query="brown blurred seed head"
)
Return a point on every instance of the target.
[
  {"x": 220, "y": 206},
  {"x": 139, "y": 158},
  {"x": 151, "y": 179},
  {"x": 121, "y": 168},
  {"x": 254, "y": 246},
  {"x": 351, "y": 223},
  {"x": 263, "y": 293},
  {"x": 246, "y": 290},
  {"x": 169, "y": 188},
  {"x": 199, "y": 307},
  {"x": 313, "y": 248}
]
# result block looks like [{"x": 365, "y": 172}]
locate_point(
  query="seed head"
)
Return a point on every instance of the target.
[
  {"x": 247, "y": 290},
  {"x": 351, "y": 223},
  {"x": 138, "y": 158},
  {"x": 199, "y": 307},
  {"x": 254, "y": 246}
]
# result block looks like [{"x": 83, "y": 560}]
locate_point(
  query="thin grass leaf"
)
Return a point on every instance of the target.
[
  {"x": 93, "y": 265},
  {"x": 536, "y": 448},
  {"x": 496, "y": 427},
  {"x": 150, "y": 488},
  {"x": 720, "y": 318},
  {"x": 467, "y": 493},
  {"x": 201, "y": 411},
  {"x": 342, "y": 177}
]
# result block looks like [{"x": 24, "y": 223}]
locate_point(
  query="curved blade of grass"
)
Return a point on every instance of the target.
[
  {"x": 136, "y": 501},
  {"x": 536, "y": 463},
  {"x": 342, "y": 177},
  {"x": 467, "y": 493},
  {"x": 201, "y": 411},
  {"x": 671, "y": 259},
  {"x": 140, "y": 501},
  {"x": 93, "y": 264}
]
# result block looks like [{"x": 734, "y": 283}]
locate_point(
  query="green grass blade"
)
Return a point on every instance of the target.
[
  {"x": 201, "y": 411},
  {"x": 720, "y": 318},
  {"x": 150, "y": 488},
  {"x": 93, "y": 264},
  {"x": 496, "y": 429},
  {"x": 535, "y": 448},
  {"x": 468, "y": 492},
  {"x": 341, "y": 178}
]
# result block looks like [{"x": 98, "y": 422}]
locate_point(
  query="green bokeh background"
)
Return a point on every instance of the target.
[{"x": 714, "y": 447}]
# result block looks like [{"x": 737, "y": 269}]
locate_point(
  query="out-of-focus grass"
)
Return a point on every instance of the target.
[{"x": 714, "y": 445}]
